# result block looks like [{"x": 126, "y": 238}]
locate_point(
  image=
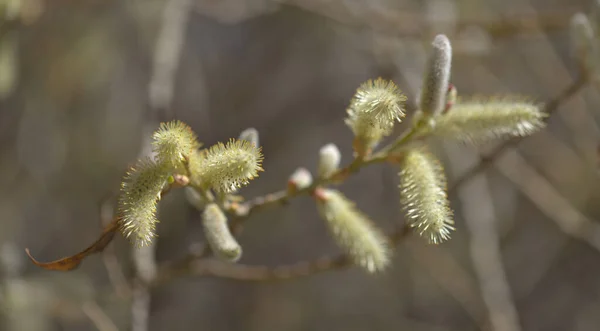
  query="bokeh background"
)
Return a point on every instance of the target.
[{"x": 82, "y": 82}]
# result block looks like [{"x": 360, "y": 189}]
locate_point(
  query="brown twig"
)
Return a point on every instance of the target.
[{"x": 550, "y": 108}]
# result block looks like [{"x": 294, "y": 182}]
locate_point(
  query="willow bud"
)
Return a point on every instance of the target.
[
  {"x": 329, "y": 160},
  {"x": 299, "y": 180},
  {"x": 251, "y": 135},
  {"x": 217, "y": 233},
  {"x": 436, "y": 76}
]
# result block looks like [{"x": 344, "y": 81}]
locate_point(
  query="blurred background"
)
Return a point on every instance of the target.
[{"x": 83, "y": 82}]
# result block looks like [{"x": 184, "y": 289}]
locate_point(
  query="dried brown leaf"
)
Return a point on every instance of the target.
[{"x": 72, "y": 262}]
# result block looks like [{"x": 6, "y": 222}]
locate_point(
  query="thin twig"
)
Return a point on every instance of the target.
[
  {"x": 109, "y": 257},
  {"x": 100, "y": 319},
  {"x": 551, "y": 107}
]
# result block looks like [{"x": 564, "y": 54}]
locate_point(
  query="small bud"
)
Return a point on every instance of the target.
[
  {"x": 217, "y": 233},
  {"x": 251, "y": 135},
  {"x": 140, "y": 192},
  {"x": 227, "y": 167},
  {"x": 479, "y": 120},
  {"x": 451, "y": 97},
  {"x": 353, "y": 231},
  {"x": 373, "y": 111},
  {"x": 585, "y": 47},
  {"x": 329, "y": 160},
  {"x": 423, "y": 196},
  {"x": 173, "y": 143},
  {"x": 299, "y": 180},
  {"x": 436, "y": 76}
]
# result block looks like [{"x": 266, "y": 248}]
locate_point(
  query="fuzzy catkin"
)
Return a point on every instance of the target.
[
  {"x": 481, "y": 120},
  {"x": 423, "y": 195},
  {"x": 353, "y": 231},
  {"x": 375, "y": 108},
  {"x": 218, "y": 236},
  {"x": 140, "y": 192},
  {"x": 227, "y": 167},
  {"x": 173, "y": 142},
  {"x": 436, "y": 76}
]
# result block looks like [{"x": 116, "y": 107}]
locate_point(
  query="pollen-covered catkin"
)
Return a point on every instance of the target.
[
  {"x": 375, "y": 108},
  {"x": 353, "y": 231},
  {"x": 140, "y": 192},
  {"x": 436, "y": 76},
  {"x": 481, "y": 120},
  {"x": 217, "y": 233},
  {"x": 227, "y": 167},
  {"x": 173, "y": 142},
  {"x": 423, "y": 195}
]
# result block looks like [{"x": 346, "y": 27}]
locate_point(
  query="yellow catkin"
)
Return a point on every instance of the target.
[
  {"x": 140, "y": 192},
  {"x": 227, "y": 167},
  {"x": 173, "y": 142},
  {"x": 423, "y": 195},
  {"x": 353, "y": 231},
  {"x": 482, "y": 120},
  {"x": 375, "y": 108}
]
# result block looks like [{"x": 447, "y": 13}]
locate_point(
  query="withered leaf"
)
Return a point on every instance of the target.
[{"x": 72, "y": 262}]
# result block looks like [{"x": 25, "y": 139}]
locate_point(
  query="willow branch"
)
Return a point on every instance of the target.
[{"x": 216, "y": 268}]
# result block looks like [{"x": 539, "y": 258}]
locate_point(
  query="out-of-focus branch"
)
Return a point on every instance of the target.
[
  {"x": 169, "y": 44},
  {"x": 406, "y": 24},
  {"x": 217, "y": 268},
  {"x": 98, "y": 317},
  {"x": 484, "y": 241},
  {"x": 109, "y": 257},
  {"x": 549, "y": 201},
  {"x": 550, "y": 108}
]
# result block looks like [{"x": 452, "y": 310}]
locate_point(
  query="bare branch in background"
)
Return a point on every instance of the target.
[
  {"x": 484, "y": 241},
  {"x": 548, "y": 199},
  {"x": 167, "y": 53},
  {"x": 98, "y": 316}
]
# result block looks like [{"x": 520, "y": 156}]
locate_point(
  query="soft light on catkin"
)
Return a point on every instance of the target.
[
  {"x": 352, "y": 230},
  {"x": 227, "y": 167},
  {"x": 173, "y": 142},
  {"x": 482, "y": 120},
  {"x": 423, "y": 195},
  {"x": 218, "y": 236},
  {"x": 375, "y": 108},
  {"x": 140, "y": 192},
  {"x": 436, "y": 76}
]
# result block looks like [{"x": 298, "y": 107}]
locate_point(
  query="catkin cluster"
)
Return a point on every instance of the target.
[
  {"x": 213, "y": 175},
  {"x": 222, "y": 168}
]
